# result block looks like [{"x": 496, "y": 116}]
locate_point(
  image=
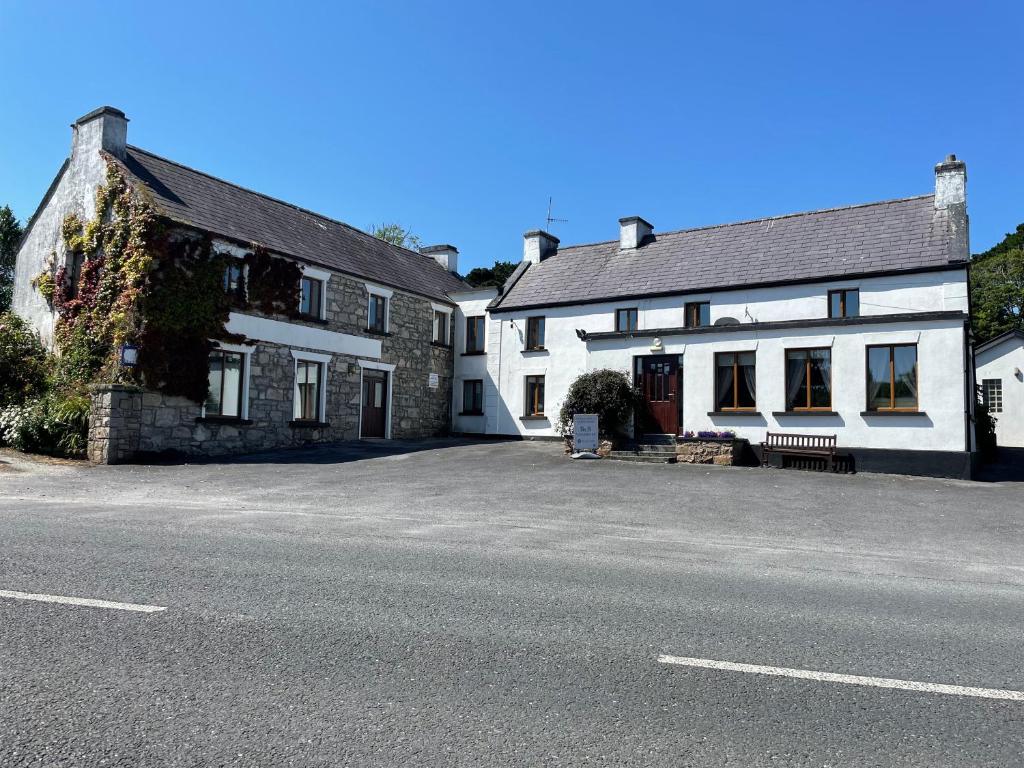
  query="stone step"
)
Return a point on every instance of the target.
[
  {"x": 658, "y": 439},
  {"x": 643, "y": 458},
  {"x": 667, "y": 449}
]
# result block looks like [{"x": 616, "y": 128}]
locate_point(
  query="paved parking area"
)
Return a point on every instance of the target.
[{"x": 444, "y": 603}]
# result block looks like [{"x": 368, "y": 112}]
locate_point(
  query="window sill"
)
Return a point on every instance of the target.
[
  {"x": 311, "y": 319},
  {"x": 541, "y": 417},
  {"x": 440, "y": 345},
  {"x": 781, "y": 414},
  {"x": 893, "y": 413},
  {"x": 376, "y": 332},
  {"x": 471, "y": 413},
  {"x": 307, "y": 424},
  {"x": 223, "y": 420},
  {"x": 536, "y": 351},
  {"x": 734, "y": 413},
  {"x": 477, "y": 352}
]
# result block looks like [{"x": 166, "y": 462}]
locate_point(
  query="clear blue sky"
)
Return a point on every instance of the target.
[{"x": 459, "y": 119}]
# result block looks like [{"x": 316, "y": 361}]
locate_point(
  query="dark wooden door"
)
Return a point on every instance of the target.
[
  {"x": 375, "y": 403},
  {"x": 659, "y": 383}
]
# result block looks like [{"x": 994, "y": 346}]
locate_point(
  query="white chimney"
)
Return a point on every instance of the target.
[
  {"x": 633, "y": 230},
  {"x": 538, "y": 245},
  {"x": 445, "y": 255},
  {"x": 105, "y": 128},
  {"x": 951, "y": 197}
]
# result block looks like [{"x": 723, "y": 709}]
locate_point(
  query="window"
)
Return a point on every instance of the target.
[
  {"x": 698, "y": 313},
  {"x": 474, "y": 334},
  {"x": 440, "y": 327},
  {"x": 307, "y": 390},
  {"x": 809, "y": 379},
  {"x": 734, "y": 381},
  {"x": 234, "y": 284},
  {"x": 844, "y": 303},
  {"x": 992, "y": 394},
  {"x": 378, "y": 319},
  {"x": 473, "y": 396},
  {"x": 892, "y": 377},
  {"x": 534, "y": 333},
  {"x": 226, "y": 385},
  {"x": 625, "y": 320},
  {"x": 75, "y": 263},
  {"x": 534, "y": 396},
  {"x": 311, "y": 297}
]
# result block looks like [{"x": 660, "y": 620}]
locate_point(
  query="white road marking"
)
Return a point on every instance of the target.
[
  {"x": 830, "y": 677},
  {"x": 82, "y": 601}
]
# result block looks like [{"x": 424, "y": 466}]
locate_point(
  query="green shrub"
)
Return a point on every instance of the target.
[
  {"x": 54, "y": 424},
  {"x": 606, "y": 392},
  {"x": 23, "y": 361}
]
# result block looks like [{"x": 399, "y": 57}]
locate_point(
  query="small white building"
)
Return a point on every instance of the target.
[
  {"x": 999, "y": 363},
  {"x": 848, "y": 321}
]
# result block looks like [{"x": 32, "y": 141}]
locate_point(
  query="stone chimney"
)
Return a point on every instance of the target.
[
  {"x": 445, "y": 255},
  {"x": 633, "y": 230},
  {"x": 538, "y": 245},
  {"x": 105, "y": 128},
  {"x": 951, "y": 196}
]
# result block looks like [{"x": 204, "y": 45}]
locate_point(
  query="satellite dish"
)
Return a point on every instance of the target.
[{"x": 727, "y": 321}]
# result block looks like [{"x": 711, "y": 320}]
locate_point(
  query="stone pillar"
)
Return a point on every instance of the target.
[{"x": 115, "y": 422}]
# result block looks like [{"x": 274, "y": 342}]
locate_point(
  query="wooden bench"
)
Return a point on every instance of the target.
[{"x": 788, "y": 444}]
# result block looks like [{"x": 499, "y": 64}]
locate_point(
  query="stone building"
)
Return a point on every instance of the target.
[{"x": 366, "y": 353}]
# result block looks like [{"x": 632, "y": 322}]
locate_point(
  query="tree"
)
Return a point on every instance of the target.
[
  {"x": 483, "y": 277},
  {"x": 10, "y": 237},
  {"x": 997, "y": 287},
  {"x": 396, "y": 234}
]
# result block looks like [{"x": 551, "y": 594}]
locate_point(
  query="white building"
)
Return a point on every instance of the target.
[
  {"x": 849, "y": 321},
  {"x": 999, "y": 363}
]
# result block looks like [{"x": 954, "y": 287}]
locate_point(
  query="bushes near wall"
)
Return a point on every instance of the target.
[{"x": 606, "y": 392}]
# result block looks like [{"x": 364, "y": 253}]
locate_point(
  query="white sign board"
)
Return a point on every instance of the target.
[
  {"x": 584, "y": 432},
  {"x": 432, "y": 381}
]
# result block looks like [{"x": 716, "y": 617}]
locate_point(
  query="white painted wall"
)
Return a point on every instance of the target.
[
  {"x": 940, "y": 358},
  {"x": 1005, "y": 361},
  {"x": 469, "y": 304}
]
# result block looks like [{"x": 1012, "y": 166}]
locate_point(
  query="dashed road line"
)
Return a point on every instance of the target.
[{"x": 84, "y": 601}]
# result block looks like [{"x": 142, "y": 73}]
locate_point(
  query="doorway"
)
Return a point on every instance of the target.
[
  {"x": 375, "y": 404},
  {"x": 658, "y": 380}
]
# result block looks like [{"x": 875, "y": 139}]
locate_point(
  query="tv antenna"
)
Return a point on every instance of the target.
[{"x": 551, "y": 220}]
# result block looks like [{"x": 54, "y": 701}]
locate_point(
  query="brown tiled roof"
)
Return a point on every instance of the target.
[
  {"x": 199, "y": 200},
  {"x": 890, "y": 236}
]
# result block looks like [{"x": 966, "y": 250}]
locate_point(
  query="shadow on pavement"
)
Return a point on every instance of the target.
[{"x": 1007, "y": 468}]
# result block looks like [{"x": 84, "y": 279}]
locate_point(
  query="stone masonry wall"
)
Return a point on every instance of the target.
[
  {"x": 115, "y": 419},
  {"x": 705, "y": 452}
]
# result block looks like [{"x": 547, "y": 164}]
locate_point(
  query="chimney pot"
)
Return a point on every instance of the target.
[
  {"x": 633, "y": 230},
  {"x": 445, "y": 255},
  {"x": 538, "y": 245}
]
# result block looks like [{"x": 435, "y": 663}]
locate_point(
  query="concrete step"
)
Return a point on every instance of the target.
[
  {"x": 658, "y": 439},
  {"x": 667, "y": 449},
  {"x": 643, "y": 458}
]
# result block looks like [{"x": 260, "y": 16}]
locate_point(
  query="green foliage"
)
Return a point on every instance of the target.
[
  {"x": 10, "y": 237},
  {"x": 483, "y": 277},
  {"x": 606, "y": 392},
  {"x": 1011, "y": 241},
  {"x": 997, "y": 292},
  {"x": 273, "y": 283},
  {"x": 985, "y": 430},
  {"x": 55, "y": 424},
  {"x": 396, "y": 234},
  {"x": 23, "y": 361}
]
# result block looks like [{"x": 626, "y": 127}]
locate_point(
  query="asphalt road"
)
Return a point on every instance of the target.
[{"x": 499, "y": 605}]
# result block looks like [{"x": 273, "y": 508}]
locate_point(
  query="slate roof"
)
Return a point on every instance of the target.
[
  {"x": 196, "y": 199},
  {"x": 890, "y": 236},
  {"x": 997, "y": 340}
]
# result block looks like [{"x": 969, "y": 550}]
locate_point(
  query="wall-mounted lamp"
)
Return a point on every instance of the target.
[{"x": 129, "y": 355}]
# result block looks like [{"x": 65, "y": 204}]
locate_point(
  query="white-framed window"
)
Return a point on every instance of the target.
[
  {"x": 313, "y": 292},
  {"x": 310, "y": 391},
  {"x": 228, "y": 392},
  {"x": 378, "y": 308},
  {"x": 992, "y": 394},
  {"x": 441, "y": 332}
]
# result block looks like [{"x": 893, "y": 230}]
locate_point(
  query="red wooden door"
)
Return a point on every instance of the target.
[
  {"x": 659, "y": 382},
  {"x": 375, "y": 403}
]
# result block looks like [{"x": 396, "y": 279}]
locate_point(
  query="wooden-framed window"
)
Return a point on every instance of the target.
[
  {"x": 626, "y": 320},
  {"x": 535, "y": 332},
  {"x": 378, "y": 314},
  {"x": 473, "y": 396},
  {"x": 735, "y": 381},
  {"x": 441, "y": 323},
  {"x": 234, "y": 282},
  {"x": 311, "y": 297},
  {"x": 75, "y": 263},
  {"x": 892, "y": 377},
  {"x": 308, "y": 380},
  {"x": 226, "y": 385},
  {"x": 698, "y": 314},
  {"x": 475, "y": 334},
  {"x": 534, "y": 396},
  {"x": 844, "y": 303},
  {"x": 992, "y": 394},
  {"x": 809, "y": 379}
]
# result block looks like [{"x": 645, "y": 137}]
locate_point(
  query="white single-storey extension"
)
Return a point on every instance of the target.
[
  {"x": 999, "y": 366},
  {"x": 850, "y": 321}
]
